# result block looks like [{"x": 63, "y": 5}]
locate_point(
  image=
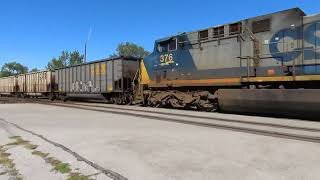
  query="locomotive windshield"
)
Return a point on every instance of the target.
[{"x": 166, "y": 46}]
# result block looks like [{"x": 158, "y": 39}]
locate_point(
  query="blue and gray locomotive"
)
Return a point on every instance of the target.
[
  {"x": 269, "y": 63},
  {"x": 218, "y": 65}
]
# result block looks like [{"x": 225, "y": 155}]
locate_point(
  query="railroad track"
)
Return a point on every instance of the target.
[
  {"x": 203, "y": 117},
  {"x": 211, "y": 122},
  {"x": 259, "y": 128}
]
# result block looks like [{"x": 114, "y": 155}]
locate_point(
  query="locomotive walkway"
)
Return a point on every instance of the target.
[{"x": 126, "y": 143}]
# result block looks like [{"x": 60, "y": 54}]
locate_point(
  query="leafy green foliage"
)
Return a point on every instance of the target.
[
  {"x": 12, "y": 68},
  {"x": 75, "y": 58},
  {"x": 130, "y": 49},
  {"x": 66, "y": 59},
  {"x": 63, "y": 168},
  {"x": 35, "y": 70}
]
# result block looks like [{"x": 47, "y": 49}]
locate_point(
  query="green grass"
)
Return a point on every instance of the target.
[
  {"x": 19, "y": 141},
  {"x": 63, "y": 168},
  {"x": 53, "y": 161},
  {"x": 78, "y": 176},
  {"x": 8, "y": 165},
  {"x": 40, "y": 154},
  {"x": 5, "y": 161},
  {"x": 31, "y": 146},
  {"x": 14, "y": 137},
  {"x": 58, "y": 166}
]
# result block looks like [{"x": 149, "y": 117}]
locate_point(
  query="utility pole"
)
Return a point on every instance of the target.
[
  {"x": 85, "y": 45},
  {"x": 85, "y": 52}
]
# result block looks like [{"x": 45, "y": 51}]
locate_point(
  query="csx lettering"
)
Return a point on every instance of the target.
[{"x": 310, "y": 36}]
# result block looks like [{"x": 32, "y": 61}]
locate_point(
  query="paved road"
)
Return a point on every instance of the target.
[{"x": 139, "y": 148}]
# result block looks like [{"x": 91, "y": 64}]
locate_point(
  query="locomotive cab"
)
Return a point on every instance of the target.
[
  {"x": 165, "y": 50},
  {"x": 161, "y": 65}
]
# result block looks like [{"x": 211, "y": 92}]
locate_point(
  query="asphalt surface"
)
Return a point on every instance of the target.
[{"x": 140, "y": 148}]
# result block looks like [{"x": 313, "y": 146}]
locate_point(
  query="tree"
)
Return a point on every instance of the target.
[
  {"x": 13, "y": 68},
  {"x": 55, "y": 64},
  {"x": 75, "y": 58},
  {"x": 34, "y": 70},
  {"x": 65, "y": 59},
  {"x": 130, "y": 49}
]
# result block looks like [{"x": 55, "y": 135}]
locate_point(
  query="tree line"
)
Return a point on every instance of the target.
[{"x": 67, "y": 58}]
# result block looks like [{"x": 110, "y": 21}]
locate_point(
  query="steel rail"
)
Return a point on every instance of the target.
[
  {"x": 308, "y": 129},
  {"x": 208, "y": 118}
]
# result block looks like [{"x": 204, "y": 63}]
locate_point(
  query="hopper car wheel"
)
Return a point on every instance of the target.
[
  {"x": 23, "y": 96},
  {"x": 64, "y": 98},
  {"x": 128, "y": 99},
  {"x": 51, "y": 97},
  {"x": 119, "y": 101},
  {"x": 112, "y": 100}
]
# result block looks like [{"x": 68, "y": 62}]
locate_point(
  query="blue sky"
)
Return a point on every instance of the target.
[{"x": 34, "y": 31}]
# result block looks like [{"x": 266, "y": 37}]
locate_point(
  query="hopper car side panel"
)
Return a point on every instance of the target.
[
  {"x": 108, "y": 79},
  {"x": 36, "y": 83},
  {"x": 8, "y": 85}
]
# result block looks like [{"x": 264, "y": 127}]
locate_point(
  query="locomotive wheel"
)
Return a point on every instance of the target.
[{"x": 208, "y": 106}]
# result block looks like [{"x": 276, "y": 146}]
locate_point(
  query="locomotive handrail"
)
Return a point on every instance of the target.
[
  {"x": 248, "y": 58},
  {"x": 137, "y": 77}
]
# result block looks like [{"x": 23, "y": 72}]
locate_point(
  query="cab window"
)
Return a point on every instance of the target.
[
  {"x": 163, "y": 47},
  {"x": 173, "y": 45},
  {"x": 167, "y": 46}
]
